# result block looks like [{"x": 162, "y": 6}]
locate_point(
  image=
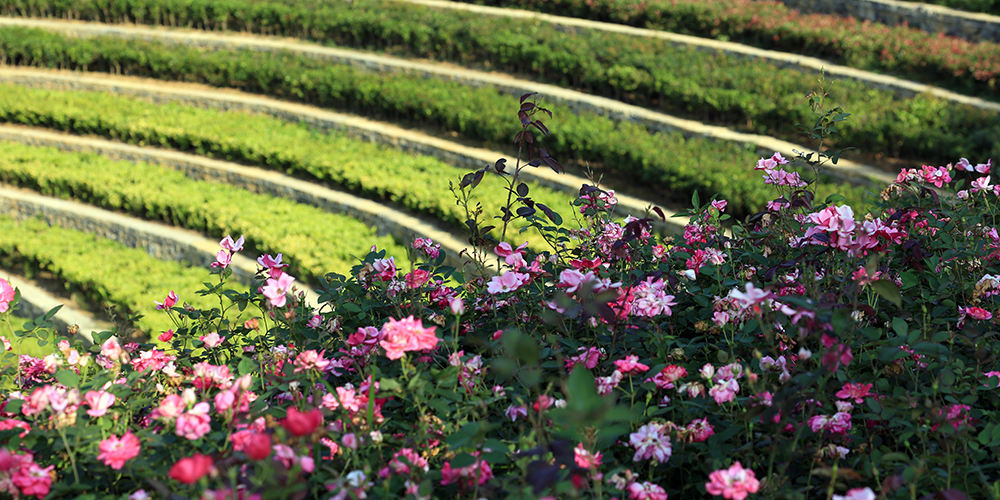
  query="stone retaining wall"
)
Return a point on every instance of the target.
[{"x": 972, "y": 26}]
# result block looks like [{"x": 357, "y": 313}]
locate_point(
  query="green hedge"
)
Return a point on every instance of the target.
[
  {"x": 667, "y": 162},
  {"x": 985, "y": 6},
  {"x": 418, "y": 183},
  {"x": 315, "y": 242},
  {"x": 713, "y": 87},
  {"x": 911, "y": 53},
  {"x": 103, "y": 272}
]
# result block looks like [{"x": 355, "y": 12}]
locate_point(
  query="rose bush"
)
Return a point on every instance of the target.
[{"x": 808, "y": 352}]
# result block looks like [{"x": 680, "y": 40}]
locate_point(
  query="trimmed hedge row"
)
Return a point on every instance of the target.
[
  {"x": 418, "y": 183},
  {"x": 956, "y": 63},
  {"x": 668, "y": 161},
  {"x": 315, "y": 242},
  {"x": 102, "y": 271},
  {"x": 713, "y": 87},
  {"x": 985, "y": 6}
]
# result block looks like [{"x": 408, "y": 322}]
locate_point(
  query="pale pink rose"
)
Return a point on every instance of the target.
[
  {"x": 227, "y": 243},
  {"x": 99, "y": 402},
  {"x": 276, "y": 289},
  {"x": 350, "y": 440},
  {"x": 171, "y": 407},
  {"x": 646, "y": 491},
  {"x": 111, "y": 349},
  {"x": 857, "y": 392},
  {"x": 752, "y": 298},
  {"x": 724, "y": 391},
  {"x": 651, "y": 441},
  {"x": 195, "y": 423},
  {"x": 386, "y": 268},
  {"x": 508, "y": 282},
  {"x": 212, "y": 340},
  {"x": 6, "y": 295},
  {"x": 224, "y": 400},
  {"x": 857, "y": 494},
  {"x": 311, "y": 360},
  {"x": 630, "y": 365},
  {"x": 586, "y": 459},
  {"x": 666, "y": 378},
  {"x": 406, "y": 335},
  {"x": 114, "y": 452},
  {"x": 734, "y": 483}
]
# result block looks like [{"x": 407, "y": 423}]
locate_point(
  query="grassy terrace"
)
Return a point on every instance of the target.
[
  {"x": 715, "y": 88},
  {"x": 911, "y": 53},
  {"x": 314, "y": 241},
  {"x": 668, "y": 163},
  {"x": 103, "y": 272},
  {"x": 377, "y": 172}
]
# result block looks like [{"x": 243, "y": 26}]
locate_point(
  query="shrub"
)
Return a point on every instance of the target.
[{"x": 811, "y": 345}]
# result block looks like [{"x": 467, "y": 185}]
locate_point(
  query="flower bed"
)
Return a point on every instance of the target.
[
  {"x": 316, "y": 241},
  {"x": 710, "y": 87},
  {"x": 815, "y": 353}
]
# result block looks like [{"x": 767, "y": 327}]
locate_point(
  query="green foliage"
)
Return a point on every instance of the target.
[
  {"x": 313, "y": 241},
  {"x": 669, "y": 163},
  {"x": 103, "y": 272},
  {"x": 418, "y": 183},
  {"x": 713, "y": 87}
]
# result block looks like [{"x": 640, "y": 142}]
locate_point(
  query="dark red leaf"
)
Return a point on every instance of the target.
[
  {"x": 659, "y": 212},
  {"x": 522, "y": 189},
  {"x": 553, "y": 164},
  {"x": 467, "y": 179},
  {"x": 500, "y": 165},
  {"x": 525, "y": 96},
  {"x": 541, "y": 126},
  {"x": 478, "y": 178},
  {"x": 527, "y": 106}
]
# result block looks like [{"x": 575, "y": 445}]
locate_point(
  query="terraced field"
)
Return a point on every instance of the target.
[{"x": 212, "y": 120}]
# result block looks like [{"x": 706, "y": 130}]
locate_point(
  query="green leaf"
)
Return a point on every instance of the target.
[
  {"x": 462, "y": 460},
  {"x": 52, "y": 312},
  {"x": 900, "y": 327},
  {"x": 895, "y": 457},
  {"x": 68, "y": 378},
  {"x": 888, "y": 291},
  {"x": 389, "y": 384},
  {"x": 246, "y": 366},
  {"x": 582, "y": 389},
  {"x": 14, "y": 406}
]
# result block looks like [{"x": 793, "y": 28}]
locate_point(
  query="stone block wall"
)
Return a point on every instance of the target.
[{"x": 972, "y": 26}]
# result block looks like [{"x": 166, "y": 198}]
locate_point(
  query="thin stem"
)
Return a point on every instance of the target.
[{"x": 71, "y": 453}]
